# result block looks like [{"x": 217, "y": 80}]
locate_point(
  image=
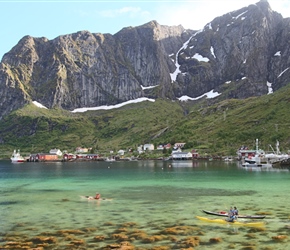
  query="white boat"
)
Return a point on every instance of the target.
[
  {"x": 228, "y": 159},
  {"x": 261, "y": 159},
  {"x": 110, "y": 159},
  {"x": 277, "y": 156},
  {"x": 258, "y": 158},
  {"x": 16, "y": 157}
]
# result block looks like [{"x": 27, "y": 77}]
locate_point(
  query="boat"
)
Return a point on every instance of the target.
[
  {"x": 228, "y": 159},
  {"x": 258, "y": 158},
  {"x": 110, "y": 159},
  {"x": 276, "y": 158},
  {"x": 235, "y": 223},
  {"x": 225, "y": 214},
  {"x": 16, "y": 157},
  {"x": 261, "y": 159}
]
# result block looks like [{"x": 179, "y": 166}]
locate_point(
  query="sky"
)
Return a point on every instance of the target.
[{"x": 52, "y": 18}]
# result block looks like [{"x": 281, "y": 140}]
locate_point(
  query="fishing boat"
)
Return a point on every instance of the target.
[
  {"x": 258, "y": 158},
  {"x": 225, "y": 214},
  {"x": 235, "y": 223},
  {"x": 261, "y": 159},
  {"x": 16, "y": 157}
]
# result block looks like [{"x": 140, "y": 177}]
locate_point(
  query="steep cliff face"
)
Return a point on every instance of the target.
[
  {"x": 237, "y": 51},
  {"x": 236, "y": 54},
  {"x": 85, "y": 69}
]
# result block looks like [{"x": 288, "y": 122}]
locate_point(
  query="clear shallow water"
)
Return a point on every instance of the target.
[{"x": 38, "y": 198}]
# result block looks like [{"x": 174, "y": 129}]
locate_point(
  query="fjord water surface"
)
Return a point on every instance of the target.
[{"x": 152, "y": 194}]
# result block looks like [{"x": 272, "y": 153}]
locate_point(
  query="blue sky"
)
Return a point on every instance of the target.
[{"x": 52, "y": 18}]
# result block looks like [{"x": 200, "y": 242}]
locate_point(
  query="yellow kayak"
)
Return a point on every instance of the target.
[{"x": 236, "y": 223}]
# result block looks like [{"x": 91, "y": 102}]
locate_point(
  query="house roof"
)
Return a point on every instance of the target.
[{"x": 180, "y": 153}]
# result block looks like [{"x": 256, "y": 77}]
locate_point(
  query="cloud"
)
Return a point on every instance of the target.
[
  {"x": 128, "y": 11},
  {"x": 196, "y": 14},
  {"x": 281, "y": 6}
]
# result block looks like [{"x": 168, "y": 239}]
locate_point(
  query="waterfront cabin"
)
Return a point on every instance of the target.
[
  {"x": 92, "y": 156},
  {"x": 69, "y": 157},
  {"x": 43, "y": 157},
  {"x": 195, "y": 154},
  {"x": 81, "y": 156},
  {"x": 181, "y": 156}
]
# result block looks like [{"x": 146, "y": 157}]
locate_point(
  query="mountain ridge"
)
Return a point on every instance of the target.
[{"x": 93, "y": 69}]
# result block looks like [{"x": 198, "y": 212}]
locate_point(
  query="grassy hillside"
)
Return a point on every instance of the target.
[
  {"x": 216, "y": 129},
  {"x": 223, "y": 127},
  {"x": 38, "y": 130}
]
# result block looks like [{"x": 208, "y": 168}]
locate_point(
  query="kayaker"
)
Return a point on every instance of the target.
[
  {"x": 232, "y": 216},
  {"x": 231, "y": 212},
  {"x": 98, "y": 196},
  {"x": 236, "y": 211}
]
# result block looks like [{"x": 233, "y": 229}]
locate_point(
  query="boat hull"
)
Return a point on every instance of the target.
[
  {"x": 225, "y": 214},
  {"x": 16, "y": 157},
  {"x": 235, "y": 223},
  {"x": 17, "y": 160}
]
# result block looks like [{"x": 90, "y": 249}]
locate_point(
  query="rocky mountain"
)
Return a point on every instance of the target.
[{"x": 240, "y": 54}]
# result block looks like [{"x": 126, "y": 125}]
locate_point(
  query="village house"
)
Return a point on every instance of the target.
[
  {"x": 81, "y": 156},
  {"x": 92, "y": 156},
  {"x": 195, "y": 154},
  {"x": 166, "y": 146},
  {"x": 181, "y": 156},
  {"x": 174, "y": 150},
  {"x": 148, "y": 147},
  {"x": 179, "y": 144},
  {"x": 121, "y": 152},
  {"x": 43, "y": 157},
  {"x": 69, "y": 157},
  {"x": 81, "y": 150},
  {"x": 145, "y": 147},
  {"x": 55, "y": 151}
]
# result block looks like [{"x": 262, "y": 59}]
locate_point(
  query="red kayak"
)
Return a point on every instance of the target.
[{"x": 225, "y": 214}]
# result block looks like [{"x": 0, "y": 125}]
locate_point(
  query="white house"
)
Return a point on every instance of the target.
[
  {"x": 148, "y": 147},
  {"x": 179, "y": 144},
  {"x": 140, "y": 149},
  {"x": 181, "y": 155},
  {"x": 56, "y": 152},
  {"x": 121, "y": 152},
  {"x": 175, "y": 150},
  {"x": 82, "y": 150}
]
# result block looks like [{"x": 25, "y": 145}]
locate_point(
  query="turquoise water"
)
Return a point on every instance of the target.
[{"x": 44, "y": 198}]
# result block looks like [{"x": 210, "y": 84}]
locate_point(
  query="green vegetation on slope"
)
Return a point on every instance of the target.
[{"x": 217, "y": 129}]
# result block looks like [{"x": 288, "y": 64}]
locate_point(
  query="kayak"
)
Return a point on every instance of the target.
[
  {"x": 225, "y": 214},
  {"x": 236, "y": 223}
]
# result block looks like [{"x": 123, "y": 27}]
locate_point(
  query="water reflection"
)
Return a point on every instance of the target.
[
  {"x": 262, "y": 168},
  {"x": 184, "y": 164}
]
